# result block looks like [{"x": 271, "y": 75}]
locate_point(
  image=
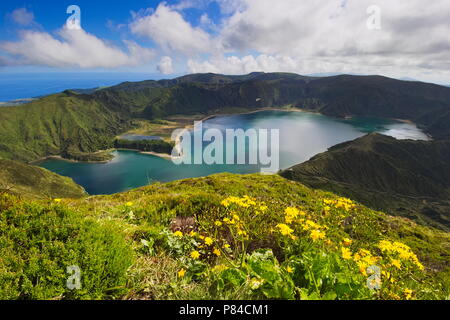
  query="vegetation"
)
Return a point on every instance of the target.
[
  {"x": 158, "y": 146},
  {"x": 228, "y": 236},
  {"x": 64, "y": 124},
  {"x": 35, "y": 182},
  {"x": 221, "y": 237},
  {"x": 401, "y": 177}
]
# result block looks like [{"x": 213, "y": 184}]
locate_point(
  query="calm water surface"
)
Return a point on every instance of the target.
[{"x": 302, "y": 135}]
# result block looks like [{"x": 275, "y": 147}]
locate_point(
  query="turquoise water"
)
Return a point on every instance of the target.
[{"x": 302, "y": 135}]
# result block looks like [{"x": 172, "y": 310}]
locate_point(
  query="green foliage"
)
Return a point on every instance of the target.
[
  {"x": 158, "y": 146},
  {"x": 38, "y": 243},
  {"x": 35, "y": 182},
  {"x": 320, "y": 253},
  {"x": 60, "y": 124}
]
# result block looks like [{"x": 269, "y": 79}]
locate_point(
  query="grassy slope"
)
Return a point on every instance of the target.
[
  {"x": 407, "y": 178},
  {"x": 142, "y": 217},
  {"x": 61, "y": 124},
  {"x": 35, "y": 182}
]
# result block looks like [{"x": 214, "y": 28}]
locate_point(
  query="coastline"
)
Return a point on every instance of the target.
[{"x": 60, "y": 158}]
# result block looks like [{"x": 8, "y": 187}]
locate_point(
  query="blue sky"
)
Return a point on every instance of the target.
[{"x": 399, "y": 39}]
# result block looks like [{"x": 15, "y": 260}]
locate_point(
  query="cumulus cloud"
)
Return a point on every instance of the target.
[
  {"x": 165, "y": 65},
  {"x": 244, "y": 65},
  {"x": 167, "y": 27},
  {"x": 319, "y": 36},
  {"x": 73, "y": 48},
  {"x": 332, "y": 36}
]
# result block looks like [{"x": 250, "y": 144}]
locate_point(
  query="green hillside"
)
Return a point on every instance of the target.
[
  {"x": 402, "y": 177},
  {"x": 224, "y": 236},
  {"x": 64, "y": 124},
  {"x": 35, "y": 182},
  {"x": 75, "y": 124}
]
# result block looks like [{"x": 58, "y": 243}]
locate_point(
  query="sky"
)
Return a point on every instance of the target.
[{"x": 405, "y": 39}]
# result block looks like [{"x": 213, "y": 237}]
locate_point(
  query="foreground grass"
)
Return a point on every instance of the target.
[{"x": 220, "y": 237}]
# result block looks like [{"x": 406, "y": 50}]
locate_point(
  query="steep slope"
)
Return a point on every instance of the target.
[
  {"x": 35, "y": 182},
  {"x": 65, "y": 124},
  {"x": 424, "y": 103},
  {"x": 409, "y": 178}
]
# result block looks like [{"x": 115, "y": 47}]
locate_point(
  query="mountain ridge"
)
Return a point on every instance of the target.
[
  {"x": 73, "y": 123},
  {"x": 404, "y": 177}
]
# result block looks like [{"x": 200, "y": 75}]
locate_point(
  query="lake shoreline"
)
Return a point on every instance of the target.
[{"x": 209, "y": 117}]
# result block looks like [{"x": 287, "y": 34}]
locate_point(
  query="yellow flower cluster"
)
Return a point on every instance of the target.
[
  {"x": 408, "y": 294},
  {"x": 316, "y": 231},
  {"x": 364, "y": 259},
  {"x": 342, "y": 203},
  {"x": 244, "y": 202},
  {"x": 285, "y": 230},
  {"x": 236, "y": 222},
  {"x": 401, "y": 252},
  {"x": 291, "y": 214},
  {"x": 317, "y": 235}
]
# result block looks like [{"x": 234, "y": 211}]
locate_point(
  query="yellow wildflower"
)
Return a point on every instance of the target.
[
  {"x": 291, "y": 214},
  {"x": 218, "y": 223},
  {"x": 408, "y": 294},
  {"x": 347, "y": 242},
  {"x": 208, "y": 241},
  {"x": 289, "y": 270},
  {"x": 397, "y": 263},
  {"x": 193, "y": 234},
  {"x": 346, "y": 253},
  {"x": 217, "y": 252},
  {"x": 57, "y": 200},
  {"x": 181, "y": 273},
  {"x": 195, "y": 254},
  {"x": 317, "y": 234},
  {"x": 129, "y": 204},
  {"x": 178, "y": 234},
  {"x": 285, "y": 229}
]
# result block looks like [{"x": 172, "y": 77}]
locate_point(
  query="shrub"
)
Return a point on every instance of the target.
[{"x": 38, "y": 242}]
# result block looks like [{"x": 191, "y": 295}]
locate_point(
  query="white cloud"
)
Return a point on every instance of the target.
[
  {"x": 22, "y": 17},
  {"x": 332, "y": 36},
  {"x": 317, "y": 36},
  {"x": 165, "y": 65},
  {"x": 244, "y": 65},
  {"x": 73, "y": 48},
  {"x": 171, "y": 32}
]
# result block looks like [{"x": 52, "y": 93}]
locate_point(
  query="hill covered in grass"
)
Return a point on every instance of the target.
[
  {"x": 66, "y": 124},
  {"x": 76, "y": 124},
  {"x": 224, "y": 236},
  {"x": 35, "y": 182},
  {"x": 401, "y": 177}
]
